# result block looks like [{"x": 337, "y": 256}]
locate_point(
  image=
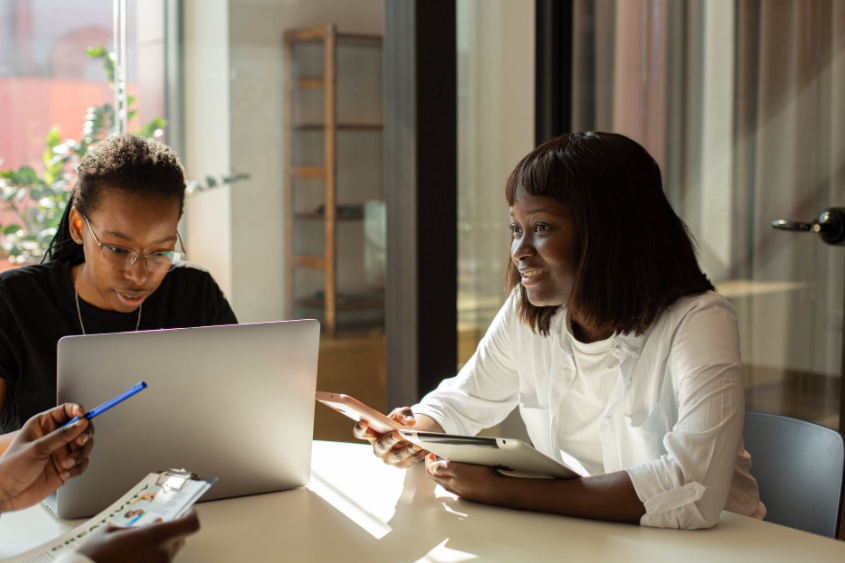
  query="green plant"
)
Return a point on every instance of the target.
[{"x": 38, "y": 200}]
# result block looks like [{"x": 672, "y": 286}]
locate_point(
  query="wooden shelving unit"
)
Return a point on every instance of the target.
[{"x": 327, "y": 173}]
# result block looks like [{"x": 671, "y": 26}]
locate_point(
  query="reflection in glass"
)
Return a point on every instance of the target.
[{"x": 741, "y": 104}]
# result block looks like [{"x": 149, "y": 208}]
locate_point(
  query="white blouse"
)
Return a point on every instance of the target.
[
  {"x": 582, "y": 410},
  {"x": 673, "y": 422}
]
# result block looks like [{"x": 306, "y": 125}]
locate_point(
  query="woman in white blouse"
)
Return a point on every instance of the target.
[{"x": 622, "y": 359}]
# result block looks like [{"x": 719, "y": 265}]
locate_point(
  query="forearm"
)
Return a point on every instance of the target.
[
  {"x": 603, "y": 497},
  {"x": 427, "y": 424}
]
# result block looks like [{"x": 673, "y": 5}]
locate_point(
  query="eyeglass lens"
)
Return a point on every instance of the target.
[{"x": 122, "y": 259}]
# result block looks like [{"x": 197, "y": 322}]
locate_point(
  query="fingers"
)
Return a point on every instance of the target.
[
  {"x": 79, "y": 455},
  {"x": 362, "y": 431},
  {"x": 440, "y": 471},
  {"x": 440, "y": 468},
  {"x": 84, "y": 438},
  {"x": 429, "y": 459},
  {"x": 75, "y": 471},
  {"x": 61, "y": 414},
  {"x": 166, "y": 531},
  {"x": 177, "y": 546},
  {"x": 386, "y": 442},
  {"x": 390, "y": 447},
  {"x": 404, "y": 415},
  {"x": 413, "y": 458},
  {"x": 398, "y": 452},
  {"x": 60, "y": 437}
]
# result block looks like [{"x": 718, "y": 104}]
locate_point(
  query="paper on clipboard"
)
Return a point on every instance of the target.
[{"x": 159, "y": 496}]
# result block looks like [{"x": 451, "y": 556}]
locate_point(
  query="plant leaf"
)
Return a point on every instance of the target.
[
  {"x": 27, "y": 176},
  {"x": 54, "y": 138}
]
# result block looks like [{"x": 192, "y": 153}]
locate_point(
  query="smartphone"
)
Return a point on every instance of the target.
[{"x": 356, "y": 410}]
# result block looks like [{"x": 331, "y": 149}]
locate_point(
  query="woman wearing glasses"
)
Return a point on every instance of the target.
[{"x": 116, "y": 264}]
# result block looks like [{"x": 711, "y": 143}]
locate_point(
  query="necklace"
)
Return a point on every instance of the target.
[{"x": 79, "y": 312}]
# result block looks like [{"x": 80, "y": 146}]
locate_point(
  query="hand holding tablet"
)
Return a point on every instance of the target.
[
  {"x": 403, "y": 446},
  {"x": 509, "y": 456}
]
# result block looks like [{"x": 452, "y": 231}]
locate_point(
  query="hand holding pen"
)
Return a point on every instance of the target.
[
  {"x": 110, "y": 403},
  {"x": 45, "y": 453}
]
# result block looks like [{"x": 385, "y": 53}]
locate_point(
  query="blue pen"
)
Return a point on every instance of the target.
[{"x": 109, "y": 404}]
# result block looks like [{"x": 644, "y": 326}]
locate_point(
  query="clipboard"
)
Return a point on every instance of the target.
[{"x": 160, "y": 496}]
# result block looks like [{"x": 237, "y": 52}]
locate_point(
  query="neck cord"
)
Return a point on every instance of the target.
[{"x": 79, "y": 312}]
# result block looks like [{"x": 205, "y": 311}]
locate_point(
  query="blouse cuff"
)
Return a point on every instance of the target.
[
  {"x": 437, "y": 416},
  {"x": 664, "y": 500}
]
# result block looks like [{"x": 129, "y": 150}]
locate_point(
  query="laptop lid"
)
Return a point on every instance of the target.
[{"x": 235, "y": 402}]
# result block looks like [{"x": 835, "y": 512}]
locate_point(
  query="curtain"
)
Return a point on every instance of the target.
[{"x": 743, "y": 105}]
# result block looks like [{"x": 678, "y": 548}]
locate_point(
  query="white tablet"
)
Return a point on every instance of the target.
[{"x": 509, "y": 456}]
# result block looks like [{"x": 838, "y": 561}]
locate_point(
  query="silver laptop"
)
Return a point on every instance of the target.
[{"x": 234, "y": 402}]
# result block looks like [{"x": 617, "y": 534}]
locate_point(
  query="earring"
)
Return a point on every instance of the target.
[{"x": 79, "y": 240}]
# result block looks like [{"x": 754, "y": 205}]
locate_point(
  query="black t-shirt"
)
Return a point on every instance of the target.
[{"x": 37, "y": 308}]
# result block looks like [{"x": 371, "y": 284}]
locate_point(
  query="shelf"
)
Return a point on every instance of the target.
[
  {"x": 321, "y": 217},
  {"x": 308, "y": 172},
  {"x": 340, "y": 127},
  {"x": 750, "y": 288},
  {"x": 308, "y": 83},
  {"x": 311, "y": 34},
  {"x": 303, "y": 83},
  {"x": 315, "y": 303},
  {"x": 306, "y": 34},
  {"x": 360, "y": 37},
  {"x": 310, "y": 262}
]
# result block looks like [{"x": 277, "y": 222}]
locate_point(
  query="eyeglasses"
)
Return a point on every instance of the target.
[{"x": 122, "y": 258}]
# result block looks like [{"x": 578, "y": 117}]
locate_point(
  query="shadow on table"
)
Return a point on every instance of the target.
[{"x": 430, "y": 525}]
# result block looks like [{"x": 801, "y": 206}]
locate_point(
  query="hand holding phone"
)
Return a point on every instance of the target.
[
  {"x": 356, "y": 410},
  {"x": 381, "y": 431}
]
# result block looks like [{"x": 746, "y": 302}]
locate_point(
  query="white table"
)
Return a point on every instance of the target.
[{"x": 357, "y": 509}]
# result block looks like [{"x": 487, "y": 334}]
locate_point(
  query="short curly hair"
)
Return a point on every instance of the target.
[{"x": 128, "y": 163}]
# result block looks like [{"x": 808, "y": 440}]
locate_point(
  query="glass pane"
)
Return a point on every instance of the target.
[
  {"x": 495, "y": 130},
  {"x": 258, "y": 92},
  {"x": 742, "y": 106},
  {"x": 55, "y": 99}
]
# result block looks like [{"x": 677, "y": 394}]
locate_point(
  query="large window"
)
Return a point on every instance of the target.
[
  {"x": 285, "y": 96},
  {"x": 275, "y": 110},
  {"x": 742, "y": 105},
  {"x": 56, "y": 98},
  {"x": 495, "y": 130}
]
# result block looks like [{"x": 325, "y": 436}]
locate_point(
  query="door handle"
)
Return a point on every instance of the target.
[{"x": 830, "y": 226}]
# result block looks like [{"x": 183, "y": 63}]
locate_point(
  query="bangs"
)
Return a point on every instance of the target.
[
  {"x": 542, "y": 172},
  {"x": 637, "y": 255}
]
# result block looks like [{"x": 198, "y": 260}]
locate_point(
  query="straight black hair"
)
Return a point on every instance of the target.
[
  {"x": 129, "y": 163},
  {"x": 637, "y": 256}
]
